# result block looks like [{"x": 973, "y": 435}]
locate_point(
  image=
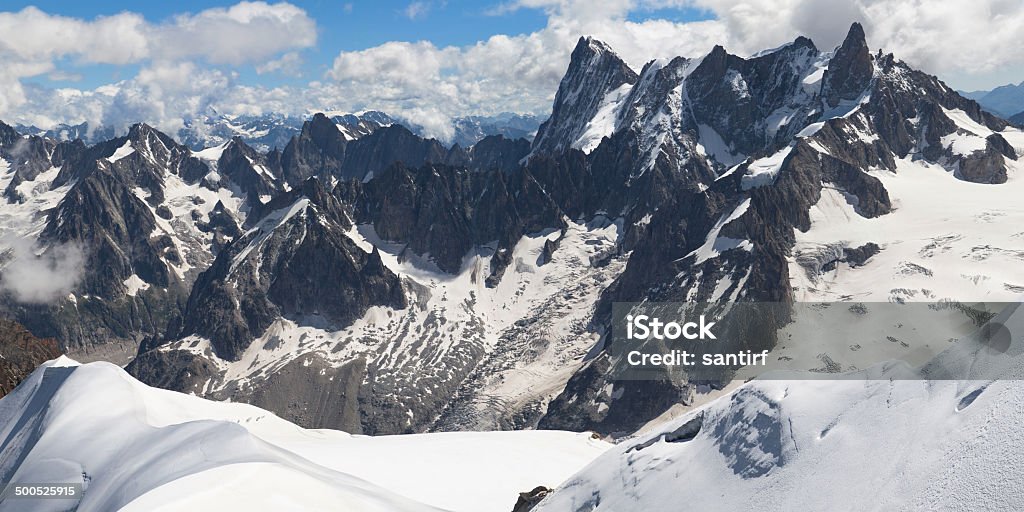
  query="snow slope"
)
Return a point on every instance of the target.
[
  {"x": 930, "y": 251},
  {"x": 136, "y": 448},
  {"x": 871, "y": 443}
]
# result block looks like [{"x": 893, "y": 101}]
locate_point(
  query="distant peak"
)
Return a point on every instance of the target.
[
  {"x": 849, "y": 72},
  {"x": 803, "y": 42},
  {"x": 588, "y": 47},
  {"x": 138, "y": 129},
  {"x": 855, "y": 37},
  {"x": 718, "y": 52},
  {"x": 320, "y": 123}
]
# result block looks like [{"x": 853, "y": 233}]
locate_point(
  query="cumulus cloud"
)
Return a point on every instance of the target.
[
  {"x": 39, "y": 277},
  {"x": 244, "y": 33},
  {"x": 31, "y": 41}
]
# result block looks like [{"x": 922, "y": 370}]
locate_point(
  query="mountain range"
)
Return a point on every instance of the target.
[
  {"x": 1006, "y": 101},
  {"x": 364, "y": 278},
  {"x": 268, "y": 131}
]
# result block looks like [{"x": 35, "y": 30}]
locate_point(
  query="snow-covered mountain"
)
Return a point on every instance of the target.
[
  {"x": 268, "y": 131},
  {"x": 381, "y": 282},
  {"x": 470, "y": 130},
  {"x": 135, "y": 448}
]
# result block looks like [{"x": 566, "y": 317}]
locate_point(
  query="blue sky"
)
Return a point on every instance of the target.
[{"x": 117, "y": 62}]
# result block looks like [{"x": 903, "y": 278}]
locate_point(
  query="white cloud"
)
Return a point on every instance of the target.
[
  {"x": 31, "y": 41},
  {"x": 40, "y": 278},
  {"x": 289, "y": 64},
  {"x": 32, "y": 35},
  {"x": 244, "y": 33},
  {"x": 416, "y": 10}
]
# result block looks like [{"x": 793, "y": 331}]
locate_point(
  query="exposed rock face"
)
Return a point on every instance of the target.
[
  {"x": 319, "y": 150},
  {"x": 495, "y": 152},
  {"x": 443, "y": 211},
  {"x": 594, "y": 72},
  {"x": 21, "y": 353},
  {"x": 104, "y": 214},
  {"x": 109, "y": 213},
  {"x": 31, "y": 156},
  {"x": 145, "y": 214},
  {"x": 528, "y": 500},
  {"x": 900, "y": 111},
  {"x": 850, "y": 70},
  {"x": 327, "y": 152},
  {"x": 988, "y": 165},
  {"x": 8, "y": 135},
  {"x": 354, "y": 126},
  {"x": 295, "y": 261},
  {"x": 370, "y": 155},
  {"x": 252, "y": 171}
]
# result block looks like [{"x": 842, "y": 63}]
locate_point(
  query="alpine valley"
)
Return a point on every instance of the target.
[{"x": 353, "y": 275}]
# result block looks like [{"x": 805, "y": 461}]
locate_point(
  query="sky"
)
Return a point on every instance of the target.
[{"x": 112, "y": 62}]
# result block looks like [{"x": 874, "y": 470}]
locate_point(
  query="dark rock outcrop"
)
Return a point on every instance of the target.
[
  {"x": 444, "y": 211},
  {"x": 528, "y": 500},
  {"x": 21, "y": 353},
  {"x": 850, "y": 70},
  {"x": 250, "y": 170}
]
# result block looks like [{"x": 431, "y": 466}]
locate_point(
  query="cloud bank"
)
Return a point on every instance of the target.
[{"x": 187, "y": 63}]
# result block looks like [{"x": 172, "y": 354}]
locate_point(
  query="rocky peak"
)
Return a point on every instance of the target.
[
  {"x": 322, "y": 130},
  {"x": 594, "y": 72},
  {"x": 140, "y": 131},
  {"x": 318, "y": 150},
  {"x": 373, "y": 153},
  {"x": 850, "y": 70},
  {"x": 354, "y": 126},
  {"x": 250, "y": 170},
  {"x": 8, "y": 135},
  {"x": 498, "y": 152}
]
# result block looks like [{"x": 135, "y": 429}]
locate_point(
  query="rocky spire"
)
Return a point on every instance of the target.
[
  {"x": 594, "y": 71},
  {"x": 849, "y": 72}
]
